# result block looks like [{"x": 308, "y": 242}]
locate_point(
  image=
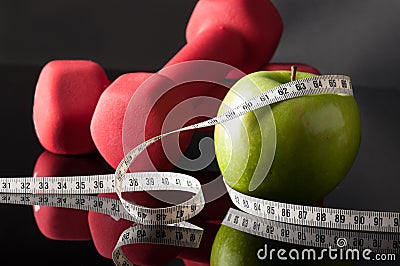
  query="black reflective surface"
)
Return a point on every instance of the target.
[
  {"x": 372, "y": 183},
  {"x": 22, "y": 242}
]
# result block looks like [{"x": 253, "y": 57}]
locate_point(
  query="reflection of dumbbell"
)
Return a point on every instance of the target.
[
  {"x": 201, "y": 255},
  {"x": 105, "y": 231},
  {"x": 217, "y": 30},
  {"x": 62, "y": 223}
]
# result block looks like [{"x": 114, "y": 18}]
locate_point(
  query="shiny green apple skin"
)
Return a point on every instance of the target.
[
  {"x": 235, "y": 248},
  {"x": 317, "y": 140}
]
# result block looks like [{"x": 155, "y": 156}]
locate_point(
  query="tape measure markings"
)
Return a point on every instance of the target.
[
  {"x": 93, "y": 184},
  {"x": 166, "y": 235}
]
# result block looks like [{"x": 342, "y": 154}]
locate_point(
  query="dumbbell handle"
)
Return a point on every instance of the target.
[
  {"x": 239, "y": 39},
  {"x": 257, "y": 24},
  {"x": 216, "y": 44}
]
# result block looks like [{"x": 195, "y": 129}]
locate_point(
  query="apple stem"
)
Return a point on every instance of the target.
[{"x": 293, "y": 73}]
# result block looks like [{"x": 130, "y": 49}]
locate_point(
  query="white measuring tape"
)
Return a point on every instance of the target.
[{"x": 167, "y": 225}]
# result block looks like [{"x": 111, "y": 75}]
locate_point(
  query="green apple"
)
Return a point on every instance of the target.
[
  {"x": 297, "y": 150},
  {"x": 232, "y": 247}
]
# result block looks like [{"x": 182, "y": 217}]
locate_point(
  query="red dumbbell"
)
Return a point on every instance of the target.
[
  {"x": 237, "y": 32},
  {"x": 62, "y": 223},
  {"x": 108, "y": 119},
  {"x": 257, "y": 24},
  {"x": 67, "y": 91},
  {"x": 66, "y": 95}
]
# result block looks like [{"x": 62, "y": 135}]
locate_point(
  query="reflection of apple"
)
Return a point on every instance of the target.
[
  {"x": 232, "y": 247},
  {"x": 317, "y": 139}
]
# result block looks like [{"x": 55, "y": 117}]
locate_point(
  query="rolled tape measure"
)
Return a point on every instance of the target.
[{"x": 167, "y": 225}]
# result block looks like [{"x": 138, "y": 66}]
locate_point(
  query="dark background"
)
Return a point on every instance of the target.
[{"x": 357, "y": 38}]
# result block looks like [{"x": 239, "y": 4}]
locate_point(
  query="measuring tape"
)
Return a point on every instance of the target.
[
  {"x": 167, "y": 225},
  {"x": 151, "y": 225}
]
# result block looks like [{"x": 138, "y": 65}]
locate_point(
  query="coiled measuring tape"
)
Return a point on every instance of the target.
[{"x": 167, "y": 225}]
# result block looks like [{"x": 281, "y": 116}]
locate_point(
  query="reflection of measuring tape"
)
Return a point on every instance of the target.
[
  {"x": 316, "y": 216},
  {"x": 312, "y": 236},
  {"x": 154, "y": 224}
]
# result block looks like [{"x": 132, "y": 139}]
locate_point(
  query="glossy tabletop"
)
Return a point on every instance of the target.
[{"x": 372, "y": 183}]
